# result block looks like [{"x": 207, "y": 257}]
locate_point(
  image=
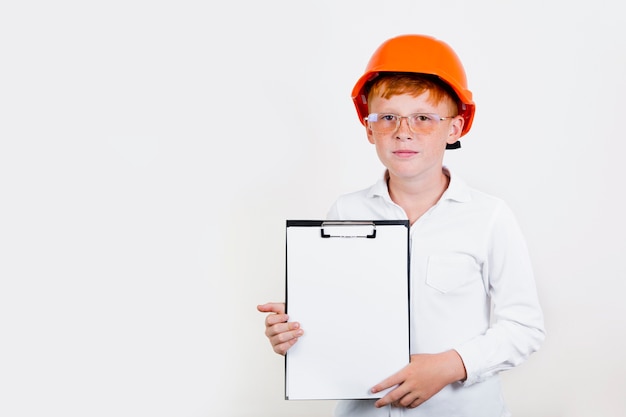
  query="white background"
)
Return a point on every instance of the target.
[{"x": 151, "y": 151}]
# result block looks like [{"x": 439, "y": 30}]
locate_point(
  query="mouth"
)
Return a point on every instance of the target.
[{"x": 405, "y": 153}]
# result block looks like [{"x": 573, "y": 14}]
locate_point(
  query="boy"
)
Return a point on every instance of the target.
[{"x": 474, "y": 308}]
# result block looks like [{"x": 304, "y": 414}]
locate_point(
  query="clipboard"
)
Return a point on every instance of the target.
[{"x": 347, "y": 284}]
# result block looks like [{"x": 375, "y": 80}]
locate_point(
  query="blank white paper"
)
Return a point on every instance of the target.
[{"x": 351, "y": 297}]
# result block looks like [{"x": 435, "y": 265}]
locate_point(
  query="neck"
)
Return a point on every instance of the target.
[{"x": 417, "y": 196}]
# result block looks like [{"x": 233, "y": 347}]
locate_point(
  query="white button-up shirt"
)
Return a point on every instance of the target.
[{"x": 472, "y": 290}]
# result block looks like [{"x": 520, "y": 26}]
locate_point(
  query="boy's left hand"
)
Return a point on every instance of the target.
[{"x": 425, "y": 376}]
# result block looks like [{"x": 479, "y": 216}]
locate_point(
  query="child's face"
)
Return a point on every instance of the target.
[{"x": 409, "y": 155}]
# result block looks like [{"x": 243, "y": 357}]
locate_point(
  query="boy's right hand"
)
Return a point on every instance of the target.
[{"x": 281, "y": 333}]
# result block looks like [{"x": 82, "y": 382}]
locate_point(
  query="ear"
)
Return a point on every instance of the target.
[
  {"x": 456, "y": 128},
  {"x": 370, "y": 134}
]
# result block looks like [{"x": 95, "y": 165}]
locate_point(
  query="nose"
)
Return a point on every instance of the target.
[{"x": 404, "y": 132}]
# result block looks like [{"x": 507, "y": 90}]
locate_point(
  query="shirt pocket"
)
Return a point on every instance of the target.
[{"x": 446, "y": 273}]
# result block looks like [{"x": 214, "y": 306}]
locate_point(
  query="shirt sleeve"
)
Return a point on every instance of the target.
[{"x": 517, "y": 328}]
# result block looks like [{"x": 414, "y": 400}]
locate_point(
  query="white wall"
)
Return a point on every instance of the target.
[{"x": 150, "y": 153}]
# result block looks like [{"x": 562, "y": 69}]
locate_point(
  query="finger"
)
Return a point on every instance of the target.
[
  {"x": 284, "y": 341},
  {"x": 415, "y": 403},
  {"x": 387, "y": 383},
  {"x": 282, "y": 327},
  {"x": 273, "y": 319},
  {"x": 282, "y": 348},
  {"x": 278, "y": 308},
  {"x": 393, "y": 397},
  {"x": 410, "y": 400},
  {"x": 286, "y": 336}
]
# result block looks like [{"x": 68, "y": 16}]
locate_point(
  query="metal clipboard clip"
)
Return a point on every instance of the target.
[{"x": 348, "y": 229}]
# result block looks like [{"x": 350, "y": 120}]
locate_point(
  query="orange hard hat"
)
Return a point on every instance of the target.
[{"x": 419, "y": 54}]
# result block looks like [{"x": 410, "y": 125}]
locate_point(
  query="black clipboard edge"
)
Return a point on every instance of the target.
[{"x": 318, "y": 223}]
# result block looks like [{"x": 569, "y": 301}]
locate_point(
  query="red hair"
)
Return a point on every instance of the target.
[{"x": 387, "y": 85}]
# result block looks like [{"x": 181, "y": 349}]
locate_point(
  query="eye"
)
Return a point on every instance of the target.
[
  {"x": 387, "y": 117},
  {"x": 422, "y": 117}
]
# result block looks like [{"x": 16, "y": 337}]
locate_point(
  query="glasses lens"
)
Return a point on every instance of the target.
[
  {"x": 383, "y": 123},
  {"x": 423, "y": 122}
]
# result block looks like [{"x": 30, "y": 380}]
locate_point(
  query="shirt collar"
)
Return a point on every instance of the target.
[
  {"x": 457, "y": 189},
  {"x": 380, "y": 188}
]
